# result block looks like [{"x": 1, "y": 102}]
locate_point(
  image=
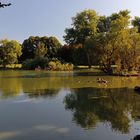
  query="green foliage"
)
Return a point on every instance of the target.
[
  {"x": 31, "y": 64},
  {"x": 40, "y": 50},
  {"x": 55, "y": 64},
  {"x": 40, "y": 47},
  {"x": 103, "y": 24},
  {"x": 115, "y": 44},
  {"x": 53, "y": 46},
  {"x": 10, "y": 51},
  {"x": 120, "y": 45},
  {"x": 91, "y": 40},
  {"x": 79, "y": 56},
  {"x": 84, "y": 26},
  {"x": 136, "y": 23},
  {"x": 65, "y": 53}
]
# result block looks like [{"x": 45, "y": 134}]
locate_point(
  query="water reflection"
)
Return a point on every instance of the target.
[
  {"x": 13, "y": 83},
  {"x": 116, "y": 107},
  {"x": 41, "y": 105},
  {"x": 10, "y": 88},
  {"x": 44, "y": 93},
  {"x": 9, "y": 135}
]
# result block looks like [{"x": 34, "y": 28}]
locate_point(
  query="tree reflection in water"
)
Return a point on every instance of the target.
[
  {"x": 42, "y": 93},
  {"x": 117, "y": 107}
]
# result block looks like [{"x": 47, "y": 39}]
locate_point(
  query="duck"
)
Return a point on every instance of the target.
[{"x": 102, "y": 81}]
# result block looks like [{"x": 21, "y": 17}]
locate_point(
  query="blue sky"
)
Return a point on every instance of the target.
[{"x": 50, "y": 17}]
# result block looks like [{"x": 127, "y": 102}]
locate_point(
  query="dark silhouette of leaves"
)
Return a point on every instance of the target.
[{"x": 2, "y": 5}]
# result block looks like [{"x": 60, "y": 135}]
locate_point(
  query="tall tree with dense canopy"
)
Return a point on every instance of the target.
[
  {"x": 40, "y": 47},
  {"x": 115, "y": 43},
  {"x": 65, "y": 53},
  {"x": 119, "y": 44},
  {"x": 84, "y": 26}
]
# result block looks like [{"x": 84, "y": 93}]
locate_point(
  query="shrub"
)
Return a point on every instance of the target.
[
  {"x": 55, "y": 64},
  {"x": 31, "y": 64}
]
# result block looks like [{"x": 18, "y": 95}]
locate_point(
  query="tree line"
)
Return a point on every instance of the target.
[
  {"x": 105, "y": 40},
  {"x": 91, "y": 40}
]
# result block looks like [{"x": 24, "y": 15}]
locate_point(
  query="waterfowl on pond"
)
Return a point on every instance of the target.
[{"x": 102, "y": 81}]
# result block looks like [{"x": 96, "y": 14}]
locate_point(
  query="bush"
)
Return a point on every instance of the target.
[
  {"x": 44, "y": 63},
  {"x": 55, "y": 64},
  {"x": 31, "y": 64}
]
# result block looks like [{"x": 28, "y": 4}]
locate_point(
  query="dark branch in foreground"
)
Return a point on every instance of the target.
[{"x": 4, "y": 5}]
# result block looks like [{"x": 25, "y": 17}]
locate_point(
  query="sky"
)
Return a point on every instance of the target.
[{"x": 26, "y": 18}]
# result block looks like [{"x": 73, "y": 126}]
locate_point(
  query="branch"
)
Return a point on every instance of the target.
[{"x": 4, "y": 5}]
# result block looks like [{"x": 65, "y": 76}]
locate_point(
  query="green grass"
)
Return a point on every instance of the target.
[{"x": 86, "y": 67}]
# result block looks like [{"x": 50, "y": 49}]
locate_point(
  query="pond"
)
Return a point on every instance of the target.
[{"x": 38, "y": 105}]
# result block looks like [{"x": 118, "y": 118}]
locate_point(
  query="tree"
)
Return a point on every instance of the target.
[
  {"x": 40, "y": 47},
  {"x": 65, "y": 53},
  {"x": 116, "y": 43},
  {"x": 10, "y": 51},
  {"x": 41, "y": 50},
  {"x": 136, "y": 23},
  {"x": 130, "y": 51},
  {"x": 122, "y": 45},
  {"x": 84, "y": 26},
  {"x": 103, "y": 24},
  {"x": 53, "y": 46},
  {"x": 29, "y": 48}
]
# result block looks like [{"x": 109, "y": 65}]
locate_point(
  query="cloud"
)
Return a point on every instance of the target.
[
  {"x": 52, "y": 128},
  {"x": 9, "y": 134}
]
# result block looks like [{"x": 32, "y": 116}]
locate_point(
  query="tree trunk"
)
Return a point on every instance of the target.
[{"x": 88, "y": 58}]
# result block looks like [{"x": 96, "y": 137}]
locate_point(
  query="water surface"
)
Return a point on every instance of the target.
[{"x": 67, "y": 105}]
